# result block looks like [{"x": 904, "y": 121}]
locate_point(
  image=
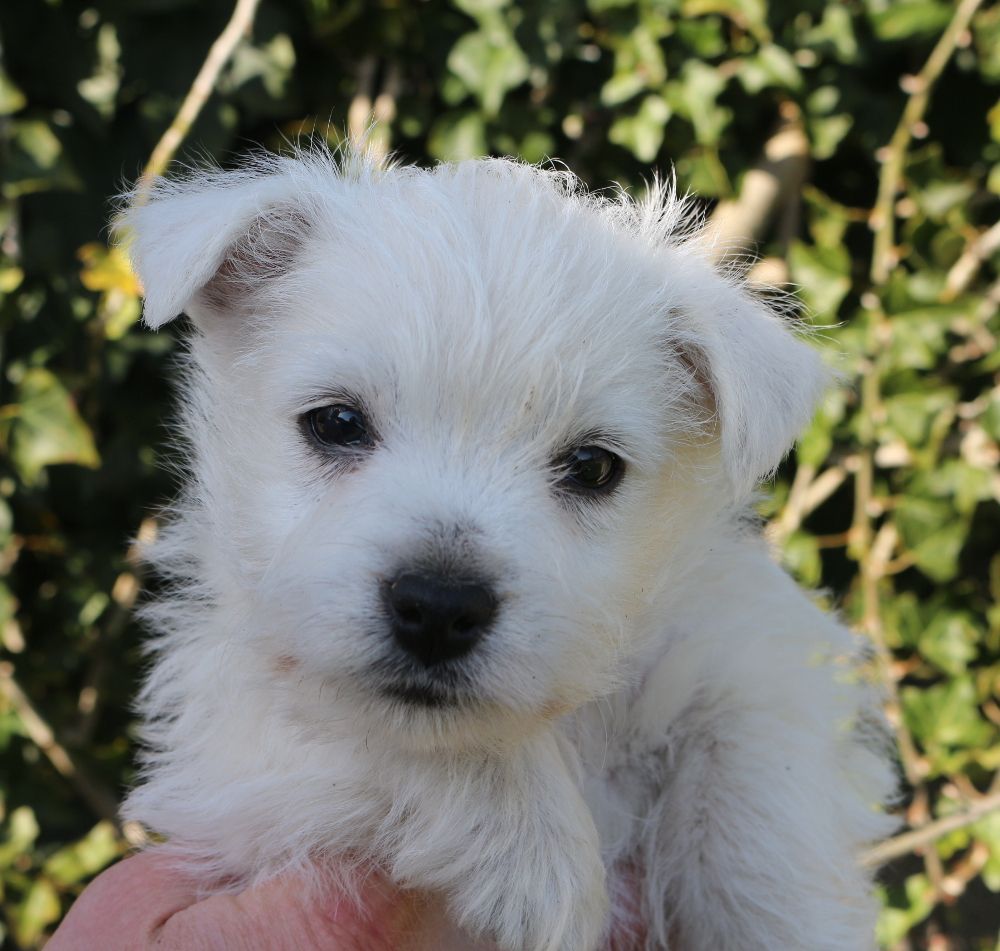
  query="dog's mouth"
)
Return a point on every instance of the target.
[
  {"x": 445, "y": 687},
  {"x": 423, "y": 695}
]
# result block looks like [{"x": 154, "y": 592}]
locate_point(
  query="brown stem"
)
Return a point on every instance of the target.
[
  {"x": 773, "y": 183},
  {"x": 882, "y": 219},
  {"x": 103, "y": 803},
  {"x": 928, "y": 833},
  {"x": 204, "y": 83}
]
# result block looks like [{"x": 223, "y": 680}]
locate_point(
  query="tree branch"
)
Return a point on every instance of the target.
[
  {"x": 773, "y": 182},
  {"x": 97, "y": 797},
  {"x": 964, "y": 270},
  {"x": 930, "y": 832},
  {"x": 220, "y": 53},
  {"x": 882, "y": 220}
]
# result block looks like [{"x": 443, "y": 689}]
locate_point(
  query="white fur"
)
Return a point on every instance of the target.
[{"x": 658, "y": 703}]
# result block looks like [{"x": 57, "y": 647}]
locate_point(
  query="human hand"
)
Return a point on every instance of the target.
[{"x": 145, "y": 903}]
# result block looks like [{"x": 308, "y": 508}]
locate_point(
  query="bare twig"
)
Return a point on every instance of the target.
[
  {"x": 919, "y": 88},
  {"x": 810, "y": 489},
  {"x": 98, "y": 798},
  {"x": 204, "y": 83},
  {"x": 929, "y": 833},
  {"x": 873, "y": 552},
  {"x": 773, "y": 183},
  {"x": 964, "y": 270},
  {"x": 370, "y": 119}
]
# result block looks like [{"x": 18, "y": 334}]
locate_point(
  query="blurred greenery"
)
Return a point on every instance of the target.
[{"x": 891, "y": 505}]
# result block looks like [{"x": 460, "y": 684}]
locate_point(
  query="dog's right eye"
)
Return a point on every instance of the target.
[{"x": 339, "y": 425}]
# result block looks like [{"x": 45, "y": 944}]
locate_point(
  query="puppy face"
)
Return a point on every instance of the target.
[{"x": 456, "y": 433}]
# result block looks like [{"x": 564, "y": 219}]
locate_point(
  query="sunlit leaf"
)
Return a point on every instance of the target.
[
  {"x": 490, "y": 63},
  {"x": 823, "y": 276},
  {"x": 40, "y": 908},
  {"x": 83, "y": 859},
  {"x": 106, "y": 269},
  {"x": 458, "y": 136},
  {"x": 642, "y": 133},
  {"x": 48, "y": 428}
]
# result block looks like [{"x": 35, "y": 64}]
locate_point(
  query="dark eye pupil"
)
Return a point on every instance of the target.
[
  {"x": 592, "y": 467},
  {"x": 338, "y": 426}
]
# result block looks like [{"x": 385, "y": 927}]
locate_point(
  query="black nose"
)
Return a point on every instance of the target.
[{"x": 435, "y": 619}]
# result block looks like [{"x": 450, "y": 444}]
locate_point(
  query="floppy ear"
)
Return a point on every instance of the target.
[
  {"x": 199, "y": 244},
  {"x": 763, "y": 381}
]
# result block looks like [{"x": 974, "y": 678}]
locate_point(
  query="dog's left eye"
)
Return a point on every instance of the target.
[
  {"x": 591, "y": 469},
  {"x": 339, "y": 425}
]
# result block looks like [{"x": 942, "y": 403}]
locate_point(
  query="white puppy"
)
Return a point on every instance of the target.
[{"x": 462, "y": 581}]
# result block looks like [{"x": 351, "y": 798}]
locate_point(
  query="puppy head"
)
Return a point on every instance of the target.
[{"x": 457, "y": 433}]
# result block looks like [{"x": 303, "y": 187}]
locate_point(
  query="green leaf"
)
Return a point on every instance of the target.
[
  {"x": 950, "y": 641},
  {"x": 458, "y": 136},
  {"x": 828, "y": 219},
  {"x": 823, "y": 276},
  {"x": 22, "y": 830},
  {"x": 919, "y": 337},
  {"x": 944, "y": 716},
  {"x": 642, "y": 133},
  {"x": 835, "y": 30},
  {"x": 827, "y": 133},
  {"x": 704, "y": 36},
  {"x": 913, "y": 415},
  {"x": 815, "y": 443},
  {"x": 490, "y": 63},
  {"x": 937, "y": 554},
  {"x": 36, "y": 161},
  {"x": 748, "y": 14},
  {"x": 639, "y": 65},
  {"x": 773, "y": 66},
  {"x": 47, "y": 429},
  {"x": 938, "y": 198},
  {"x": 480, "y": 8},
  {"x": 11, "y": 98},
  {"x": 800, "y": 555},
  {"x": 904, "y": 620},
  {"x": 694, "y": 96},
  {"x": 271, "y": 63},
  {"x": 39, "y": 909},
  {"x": 904, "y": 908},
  {"x": 75, "y": 863},
  {"x": 987, "y": 830},
  {"x": 902, "y": 19}
]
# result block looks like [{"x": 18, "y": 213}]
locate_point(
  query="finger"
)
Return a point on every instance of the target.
[
  {"x": 290, "y": 914},
  {"x": 125, "y": 905}
]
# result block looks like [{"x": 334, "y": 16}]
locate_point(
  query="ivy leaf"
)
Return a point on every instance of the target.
[
  {"x": 772, "y": 66},
  {"x": 47, "y": 428},
  {"x": 937, "y": 554},
  {"x": 695, "y": 95},
  {"x": 490, "y": 63},
  {"x": 11, "y": 98},
  {"x": 22, "y": 830},
  {"x": 944, "y": 716},
  {"x": 903, "y": 909},
  {"x": 902, "y": 19},
  {"x": 823, "y": 276},
  {"x": 40, "y": 908},
  {"x": 85, "y": 858},
  {"x": 800, "y": 555},
  {"x": 642, "y": 133},
  {"x": 458, "y": 136},
  {"x": 950, "y": 641}
]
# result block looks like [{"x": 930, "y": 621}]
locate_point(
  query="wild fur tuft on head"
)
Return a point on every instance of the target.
[{"x": 203, "y": 243}]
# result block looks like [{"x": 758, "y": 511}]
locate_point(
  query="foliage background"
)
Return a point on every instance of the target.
[{"x": 788, "y": 115}]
